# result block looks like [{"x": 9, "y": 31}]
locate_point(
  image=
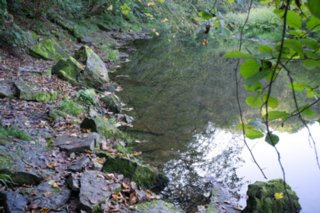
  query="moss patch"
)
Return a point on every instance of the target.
[
  {"x": 68, "y": 69},
  {"x": 48, "y": 49},
  {"x": 14, "y": 133}
]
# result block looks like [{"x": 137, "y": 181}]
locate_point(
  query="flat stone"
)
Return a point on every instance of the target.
[
  {"x": 26, "y": 163},
  {"x": 13, "y": 202},
  {"x": 76, "y": 144},
  {"x": 7, "y": 89},
  {"x": 157, "y": 206},
  {"x": 47, "y": 196},
  {"x": 95, "y": 189},
  {"x": 79, "y": 165}
]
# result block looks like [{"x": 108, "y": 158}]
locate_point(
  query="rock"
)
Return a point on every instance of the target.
[
  {"x": 101, "y": 125},
  {"x": 48, "y": 49},
  {"x": 48, "y": 196},
  {"x": 75, "y": 144},
  {"x": 95, "y": 73},
  {"x": 157, "y": 206},
  {"x": 271, "y": 197},
  {"x": 13, "y": 202},
  {"x": 68, "y": 69},
  {"x": 26, "y": 164},
  {"x": 7, "y": 89},
  {"x": 113, "y": 103},
  {"x": 144, "y": 175},
  {"x": 73, "y": 183},
  {"x": 79, "y": 165},
  {"x": 31, "y": 92},
  {"x": 95, "y": 189}
]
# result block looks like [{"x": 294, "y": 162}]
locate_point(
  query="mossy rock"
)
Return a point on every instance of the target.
[
  {"x": 157, "y": 206},
  {"x": 68, "y": 69},
  {"x": 113, "y": 103},
  {"x": 95, "y": 73},
  {"x": 31, "y": 93},
  {"x": 48, "y": 49},
  {"x": 146, "y": 176},
  {"x": 271, "y": 197}
]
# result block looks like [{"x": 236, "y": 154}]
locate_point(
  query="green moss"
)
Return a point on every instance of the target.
[
  {"x": 70, "y": 107},
  {"x": 14, "y": 133},
  {"x": 46, "y": 96},
  {"x": 87, "y": 97},
  {"x": 48, "y": 49},
  {"x": 109, "y": 53},
  {"x": 68, "y": 69}
]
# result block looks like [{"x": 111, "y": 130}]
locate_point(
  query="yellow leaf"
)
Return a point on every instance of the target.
[
  {"x": 53, "y": 184},
  {"x": 164, "y": 20},
  {"x": 278, "y": 195}
]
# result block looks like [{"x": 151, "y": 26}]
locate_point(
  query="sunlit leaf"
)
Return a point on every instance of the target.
[
  {"x": 309, "y": 113},
  {"x": 254, "y": 87},
  {"x": 254, "y": 101},
  {"x": 205, "y": 15},
  {"x": 311, "y": 64},
  {"x": 272, "y": 102},
  {"x": 313, "y": 23},
  {"x": 278, "y": 195},
  {"x": 275, "y": 115},
  {"x": 272, "y": 139},
  {"x": 265, "y": 49},
  {"x": 293, "y": 19},
  {"x": 253, "y": 134},
  {"x": 237, "y": 54},
  {"x": 249, "y": 68}
]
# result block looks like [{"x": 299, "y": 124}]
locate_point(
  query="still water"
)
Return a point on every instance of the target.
[{"x": 183, "y": 95}]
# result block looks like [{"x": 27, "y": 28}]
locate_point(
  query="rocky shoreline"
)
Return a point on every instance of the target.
[{"x": 74, "y": 157}]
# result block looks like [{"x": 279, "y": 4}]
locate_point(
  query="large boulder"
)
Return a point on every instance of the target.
[
  {"x": 272, "y": 197},
  {"x": 95, "y": 189},
  {"x": 146, "y": 176},
  {"x": 95, "y": 73},
  {"x": 29, "y": 92},
  {"x": 48, "y": 49},
  {"x": 7, "y": 89},
  {"x": 13, "y": 202}
]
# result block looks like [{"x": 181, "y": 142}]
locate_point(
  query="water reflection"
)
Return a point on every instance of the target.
[{"x": 185, "y": 109}]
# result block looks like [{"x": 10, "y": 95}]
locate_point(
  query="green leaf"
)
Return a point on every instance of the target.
[
  {"x": 254, "y": 101},
  {"x": 257, "y": 77},
  {"x": 310, "y": 42},
  {"x": 253, "y": 134},
  {"x": 313, "y": 23},
  {"x": 309, "y": 113},
  {"x": 272, "y": 139},
  {"x": 314, "y": 7},
  {"x": 272, "y": 102},
  {"x": 205, "y": 15},
  {"x": 293, "y": 19},
  {"x": 274, "y": 115},
  {"x": 265, "y": 49},
  {"x": 257, "y": 87},
  {"x": 249, "y": 68},
  {"x": 237, "y": 54},
  {"x": 298, "y": 86},
  {"x": 311, "y": 64},
  {"x": 294, "y": 45}
]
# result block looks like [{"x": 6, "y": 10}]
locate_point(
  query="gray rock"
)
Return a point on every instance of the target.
[
  {"x": 7, "y": 89},
  {"x": 75, "y": 144},
  {"x": 157, "y": 206},
  {"x": 46, "y": 196},
  {"x": 13, "y": 202},
  {"x": 95, "y": 189},
  {"x": 73, "y": 183},
  {"x": 79, "y": 165},
  {"x": 95, "y": 73},
  {"x": 25, "y": 162}
]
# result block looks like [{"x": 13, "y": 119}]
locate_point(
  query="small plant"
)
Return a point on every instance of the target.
[
  {"x": 14, "y": 133},
  {"x": 70, "y": 107},
  {"x": 5, "y": 179},
  {"x": 87, "y": 97},
  {"x": 110, "y": 53}
]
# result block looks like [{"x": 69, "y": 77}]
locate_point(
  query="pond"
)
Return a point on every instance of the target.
[{"x": 185, "y": 110}]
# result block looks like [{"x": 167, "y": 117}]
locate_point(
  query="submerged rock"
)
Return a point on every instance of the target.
[
  {"x": 271, "y": 197},
  {"x": 49, "y": 196},
  {"x": 13, "y": 202},
  {"x": 95, "y": 189},
  {"x": 76, "y": 144},
  {"x": 7, "y": 89},
  {"x": 48, "y": 49},
  {"x": 146, "y": 176},
  {"x": 157, "y": 206},
  {"x": 31, "y": 93},
  {"x": 95, "y": 73}
]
